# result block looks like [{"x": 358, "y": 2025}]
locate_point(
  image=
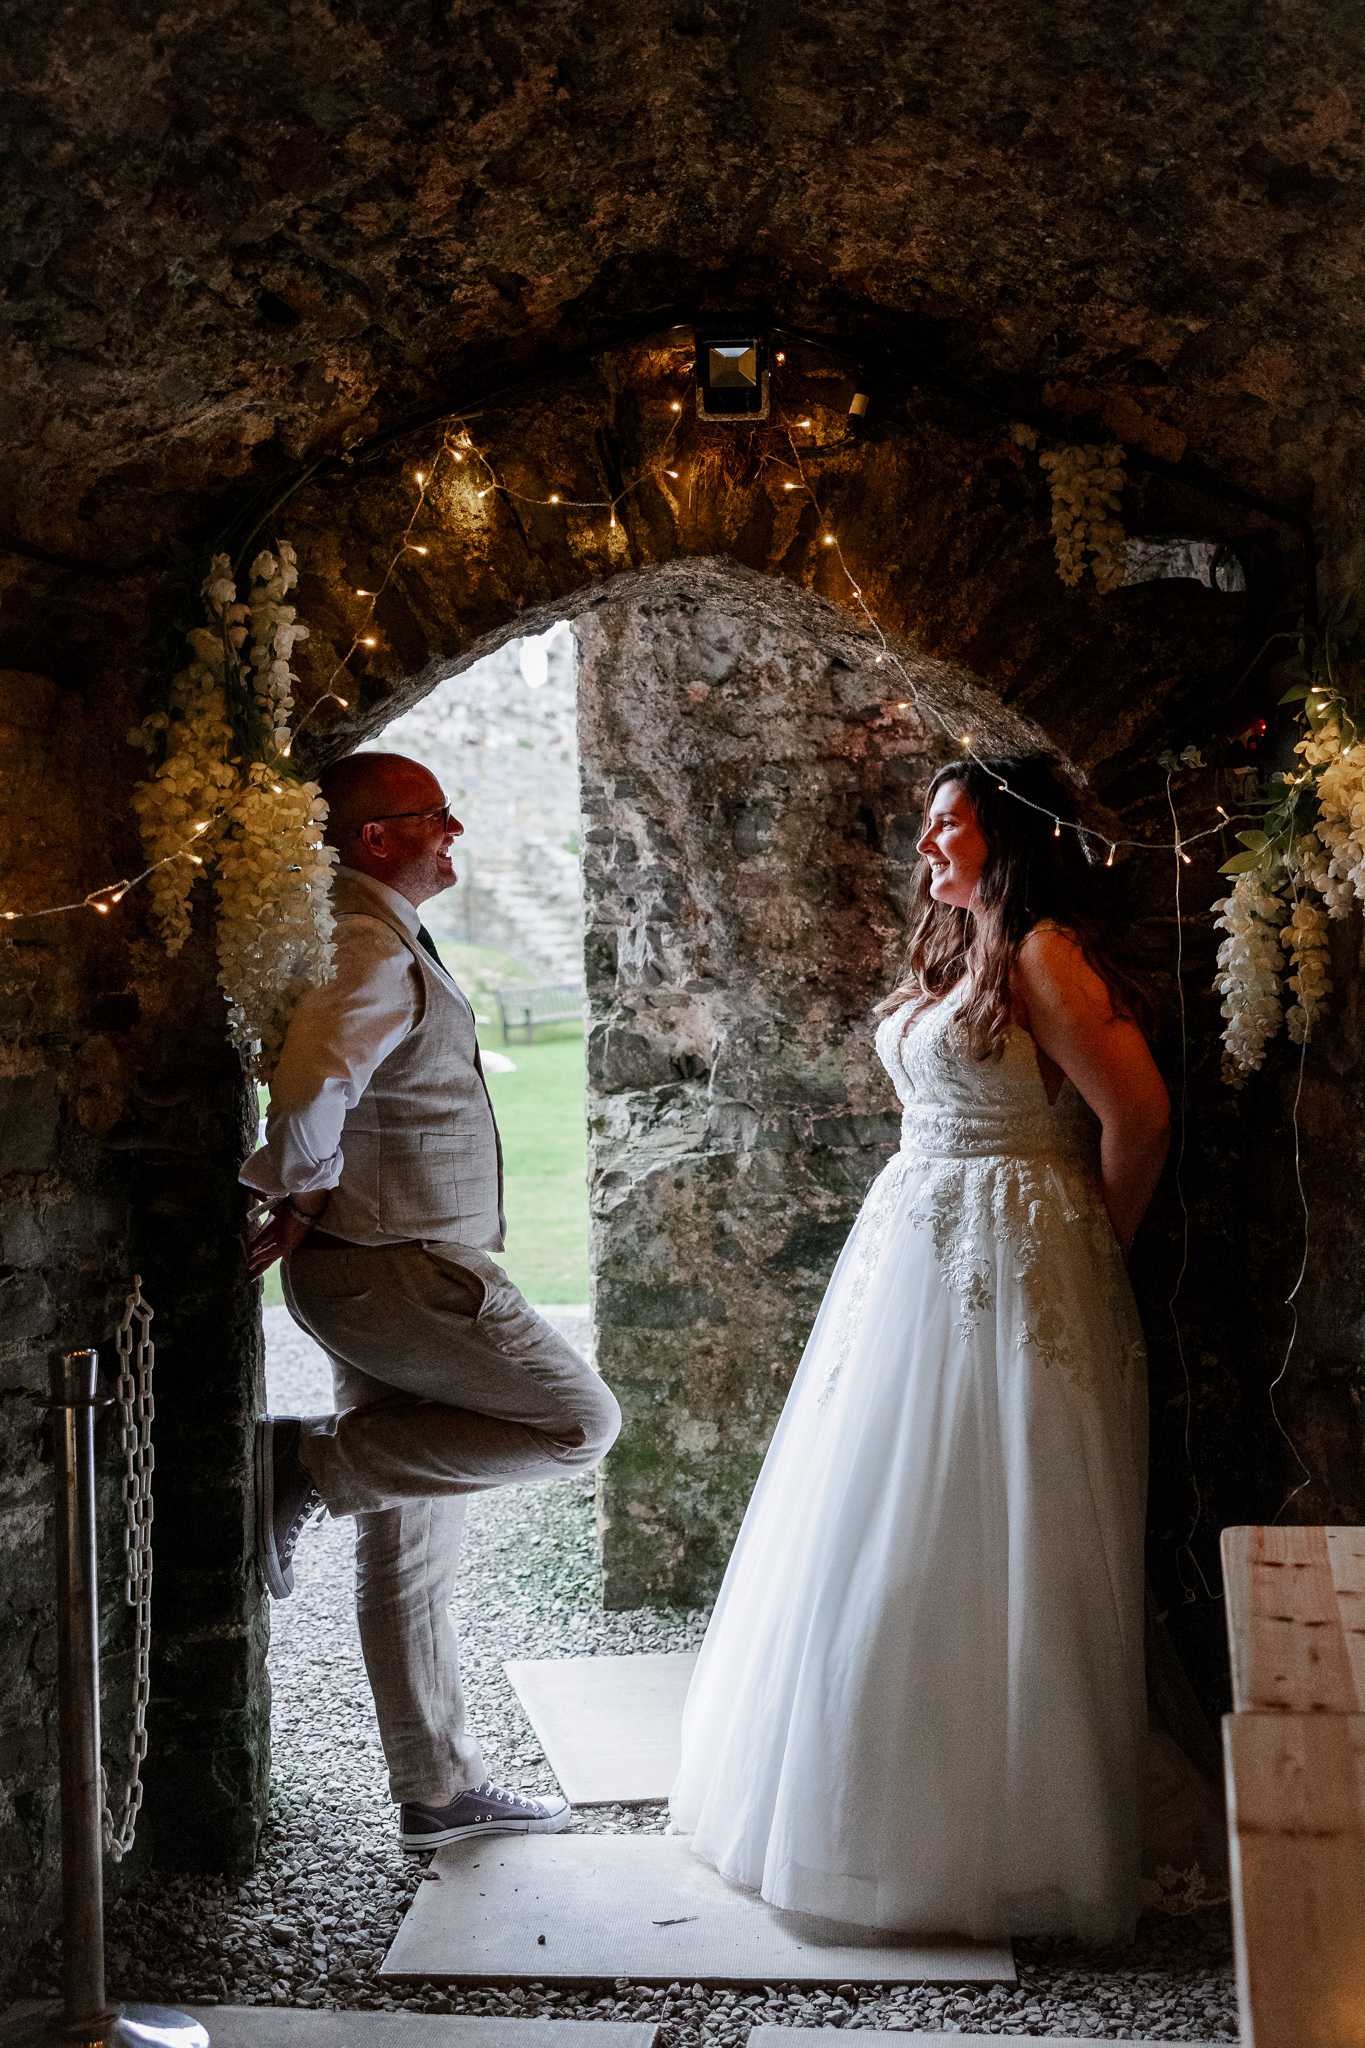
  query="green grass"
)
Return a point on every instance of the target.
[{"x": 540, "y": 1113}]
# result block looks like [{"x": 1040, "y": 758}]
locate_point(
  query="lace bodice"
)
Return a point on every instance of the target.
[
  {"x": 956, "y": 1106},
  {"x": 1000, "y": 1179}
]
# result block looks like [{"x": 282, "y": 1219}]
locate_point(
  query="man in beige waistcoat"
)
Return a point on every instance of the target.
[{"x": 383, "y": 1172}]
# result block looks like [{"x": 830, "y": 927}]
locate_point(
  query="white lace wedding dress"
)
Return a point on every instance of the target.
[{"x": 920, "y": 1702}]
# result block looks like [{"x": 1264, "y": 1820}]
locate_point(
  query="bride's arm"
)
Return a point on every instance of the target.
[{"x": 1068, "y": 1011}]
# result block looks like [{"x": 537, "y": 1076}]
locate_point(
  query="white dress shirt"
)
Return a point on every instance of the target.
[{"x": 337, "y": 1037}]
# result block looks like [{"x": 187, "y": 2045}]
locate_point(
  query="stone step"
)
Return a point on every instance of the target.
[
  {"x": 283, "y": 2026},
  {"x": 610, "y": 1727},
  {"x": 581, "y": 1907},
  {"x": 785, "y": 2037}
]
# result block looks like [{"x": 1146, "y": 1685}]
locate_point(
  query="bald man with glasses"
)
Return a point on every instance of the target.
[{"x": 383, "y": 1174}]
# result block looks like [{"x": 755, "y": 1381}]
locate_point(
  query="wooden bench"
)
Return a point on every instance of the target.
[
  {"x": 521, "y": 1009},
  {"x": 1294, "y": 1758}
]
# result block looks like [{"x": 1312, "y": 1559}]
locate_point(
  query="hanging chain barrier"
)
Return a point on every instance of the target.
[{"x": 137, "y": 1358}]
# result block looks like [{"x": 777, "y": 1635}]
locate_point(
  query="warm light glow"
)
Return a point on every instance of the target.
[
  {"x": 673, "y": 473},
  {"x": 343, "y": 702},
  {"x": 791, "y": 487},
  {"x": 197, "y": 862},
  {"x": 779, "y": 357},
  {"x": 419, "y": 551},
  {"x": 805, "y": 423},
  {"x": 1110, "y": 862},
  {"x": 675, "y": 407},
  {"x": 364, "y": 593},
  {"x": 459, "y": 458},
  {"x": 554, "y": 497},
  {"x": 829, "y": 540},
  {"x": 278, "y": 788},
  {"x": 965, "y": 739},
  {"x": 203, "y": 826},
  {"x": 1056, "y": 828},
  {"x": 11, "y": 914},
  {"x": 420, "y": 477},
  {"x": 369, "y": 641},
  {"x": 1221, "y": 812},
  {"x": 103, "y": 907},
  {"x": 902, "y": 707},
  {"x": 1185, "y": 857},
  {"x": 119, "y": 896},
  {"x": 484, "y": 492}
]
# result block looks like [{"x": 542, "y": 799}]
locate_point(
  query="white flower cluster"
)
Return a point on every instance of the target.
[
  {"x": 206, "y": 803},
  {"x": 1307, "y": 936},
  {"x": 1086, "y": 482},
  {"x": 274, "y": 884},
  {"x": 1341, "y": 815},
  {"x": 1249, "y": 963}
]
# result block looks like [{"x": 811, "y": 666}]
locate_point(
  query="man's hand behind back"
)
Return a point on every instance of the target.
[{"x": 282, "y": 1231}]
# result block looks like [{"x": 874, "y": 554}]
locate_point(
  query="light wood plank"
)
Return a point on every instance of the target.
[
  {"x": 1346, "y": 1551},
  {"x": 1286, "y": 1631},
  {"x": 1296, "y": 1817}
]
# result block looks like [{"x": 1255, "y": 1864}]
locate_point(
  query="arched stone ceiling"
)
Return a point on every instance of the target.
[{"x": 237, "y": 232}]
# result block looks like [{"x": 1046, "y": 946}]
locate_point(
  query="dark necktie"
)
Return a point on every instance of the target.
[{"x": 428, "y": 945}]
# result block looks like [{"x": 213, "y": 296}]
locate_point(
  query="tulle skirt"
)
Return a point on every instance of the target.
[{"x": 920, "y": 1703}]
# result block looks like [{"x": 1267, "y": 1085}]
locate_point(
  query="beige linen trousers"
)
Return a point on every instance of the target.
[{"x": 447, "y": 1382}]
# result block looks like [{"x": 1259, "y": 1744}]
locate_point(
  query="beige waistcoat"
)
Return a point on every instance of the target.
[{"x": 421, "y": 1153}]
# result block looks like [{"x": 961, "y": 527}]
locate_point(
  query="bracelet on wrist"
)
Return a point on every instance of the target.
[{"x": 300, "y": 1215}]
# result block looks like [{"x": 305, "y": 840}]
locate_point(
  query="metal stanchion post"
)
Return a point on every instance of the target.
[{"x": 89, "y": 2021}]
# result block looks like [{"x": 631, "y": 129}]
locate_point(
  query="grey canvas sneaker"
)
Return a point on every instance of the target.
[
  {"x": 285, "y": 1498},
  {"x": 487, "y": 1810}
]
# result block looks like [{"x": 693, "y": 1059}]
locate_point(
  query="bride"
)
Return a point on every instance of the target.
[{"x": 920, "y": 1702}]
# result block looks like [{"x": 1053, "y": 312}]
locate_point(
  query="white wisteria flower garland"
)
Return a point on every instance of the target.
[
  {"x": 224, "y": 791},
  {"x": 1305, "y": 869}
]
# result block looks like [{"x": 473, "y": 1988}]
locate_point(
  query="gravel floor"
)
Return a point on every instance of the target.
[{"x": 312, "y": 1926}]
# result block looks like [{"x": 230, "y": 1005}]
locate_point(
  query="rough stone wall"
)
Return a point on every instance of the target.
[
  {"x": 122, "y": 1118},
  {"x": 751, "y": 801}
]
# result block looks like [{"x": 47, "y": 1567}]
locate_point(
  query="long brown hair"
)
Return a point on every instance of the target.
[{"x": 1030, "y": 874}]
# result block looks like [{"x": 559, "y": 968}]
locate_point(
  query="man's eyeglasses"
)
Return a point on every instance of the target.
[{"x": 442, "y": 811}]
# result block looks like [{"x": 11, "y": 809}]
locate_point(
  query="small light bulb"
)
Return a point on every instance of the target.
[
  {"x": 902, "y": 707},
  {"x": 369, "y": 641},
  {"x": 829, "y": 540},
  {"x": 779, "y": 357},
  {"x": 420, "y": 477},
  {"x": 1056, "y": 828},
  {"x": 554, "y": 497},
  {"x": 203, "y": 826},
  {"x": 197, "y": 862},
  {"x": 675, "y": 407},
  {"x": 364, "y": 593},
  {"x": 671, "y": 472},
  {"x": 419, "y": 551},
  {"x": 484, "y": 492},
  {"x": 278, "y": 788},
  {"x": 10, "y": 914},
  {"x": 459, "y": 457},
  {"x": 791, "y": 487},
  {"x": 964, "y": 739},
  {"x": 103, "y": 908},
  {"x": 344, "y": 703},
  {"x": 878, "y": 660},
  {"x": 1110, "y": 862},
  {"x": 1186, "y": 858},
  {"x": 1002, "y": 785},
  {"x": 289, "y": 750},
  {"x": 118, "y": 896},
  {"x": 613, "y": 522},
  {"x": 805, "y": 423},
  {"x": 1221, "y": 812}
]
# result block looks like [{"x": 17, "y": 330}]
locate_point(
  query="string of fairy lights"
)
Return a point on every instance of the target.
[{"x": 458, "y": 447}]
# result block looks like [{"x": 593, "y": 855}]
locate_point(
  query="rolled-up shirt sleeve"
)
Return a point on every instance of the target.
[{"x": 337, "y": 1037}]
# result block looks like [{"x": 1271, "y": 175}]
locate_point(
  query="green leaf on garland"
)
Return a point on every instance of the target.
[
  {"x": 1255, "y": 840},
  {"x": 1240, "y": 864},
  {"x": 1295, "y": 694}
]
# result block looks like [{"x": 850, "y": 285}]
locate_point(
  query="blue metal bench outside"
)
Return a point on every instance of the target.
[{"x": 521, "y": 1009}]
